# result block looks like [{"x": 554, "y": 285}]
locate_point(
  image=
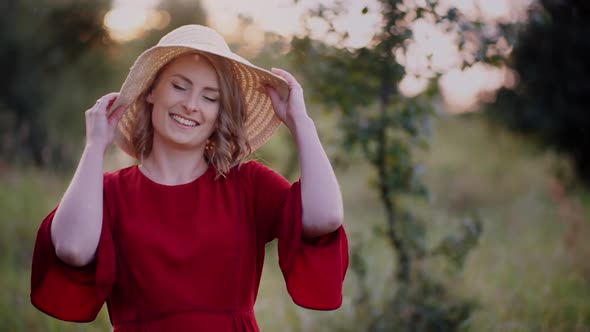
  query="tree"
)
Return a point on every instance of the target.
[
  {"x": 361, "y": 85},
  {"x": 38, "y": 39},
  {"x": 551, "y": 100},
  {"x": 181, "y": 12}
]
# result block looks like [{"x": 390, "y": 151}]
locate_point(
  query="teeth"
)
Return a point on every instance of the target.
[{"x": 184, "y": 121}]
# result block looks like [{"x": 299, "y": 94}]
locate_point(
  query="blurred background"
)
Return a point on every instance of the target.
[{"x": 459, "y": 130}]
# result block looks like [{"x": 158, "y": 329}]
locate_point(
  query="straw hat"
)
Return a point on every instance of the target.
[{"x": 261, "y": 121}]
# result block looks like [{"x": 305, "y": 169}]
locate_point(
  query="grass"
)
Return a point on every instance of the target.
[
  {"x": 518, "y": 272},
  {"x": 524, "y": 273},
  {"x": 25, "y": 197}
]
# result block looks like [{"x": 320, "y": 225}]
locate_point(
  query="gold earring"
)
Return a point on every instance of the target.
[{"x": 208, "y": 145}]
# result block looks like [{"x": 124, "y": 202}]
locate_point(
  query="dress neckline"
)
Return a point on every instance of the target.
[{"x": 151, "y": 182}]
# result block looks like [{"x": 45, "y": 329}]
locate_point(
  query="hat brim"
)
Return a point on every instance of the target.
[{"x": 261, "y": 120}]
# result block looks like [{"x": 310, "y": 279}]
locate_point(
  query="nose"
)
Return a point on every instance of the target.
[{"x": 191, "y": 104}]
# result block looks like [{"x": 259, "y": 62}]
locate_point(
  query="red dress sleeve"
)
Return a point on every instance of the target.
[
  {"x": 313, "y": 269},
  {"x": 66, "y": 292}
]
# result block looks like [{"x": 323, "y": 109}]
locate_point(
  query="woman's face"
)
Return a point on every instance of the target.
[{"x": 186, "y": 102}]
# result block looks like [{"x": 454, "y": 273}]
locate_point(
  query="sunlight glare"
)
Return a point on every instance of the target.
[
  {"x": 411, "y": 85},
  {"x": 285, "y": 18},
  {"x": 462, "y": 89},
  {"x": 431, "y": 42},
  {"x": 128, "y": 19},
  {"x": 488, "y": 10},
  {"x": 125, "y": 23},
  {"x": 433, "y": 50}
]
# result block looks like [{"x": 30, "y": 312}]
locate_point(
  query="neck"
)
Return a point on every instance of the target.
[{"x": 173, "y": 166}]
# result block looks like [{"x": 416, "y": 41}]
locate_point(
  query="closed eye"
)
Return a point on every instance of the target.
[
  {"x": 213, "y": 100},
  {"x": 178, "y": 87}
]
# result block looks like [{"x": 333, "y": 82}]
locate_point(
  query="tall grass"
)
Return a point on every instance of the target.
[
  {"x": 519, "y": 272},
  {"x": 26, "y": 196}
]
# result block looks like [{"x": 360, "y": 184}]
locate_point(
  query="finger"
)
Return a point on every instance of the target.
[
  {"x": 101, "y": 104},
  {"x": 111, "y": 101},
  {"x": 106, "y": 101},
  {"x": 111, "y": 95},
  {"x": 275, "y": 98},
  {"x": 116, "y": 115},
  {"x": 291, "y": 80}
]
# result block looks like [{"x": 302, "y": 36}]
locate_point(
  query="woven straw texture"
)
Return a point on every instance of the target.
[{"x": 261, "y": 121}]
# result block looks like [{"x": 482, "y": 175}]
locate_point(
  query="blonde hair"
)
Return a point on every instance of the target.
[{"x": 228, "y": 144}]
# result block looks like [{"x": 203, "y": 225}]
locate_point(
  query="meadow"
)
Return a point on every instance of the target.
[{"x": 529, "y": 273}]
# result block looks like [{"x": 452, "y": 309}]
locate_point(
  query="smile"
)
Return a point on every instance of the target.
[{"x": 184, "y": 121}]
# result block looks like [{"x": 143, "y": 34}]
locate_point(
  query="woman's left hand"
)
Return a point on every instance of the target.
[{"x": 291, "y": 110}]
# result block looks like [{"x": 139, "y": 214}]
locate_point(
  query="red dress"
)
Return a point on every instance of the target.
[{"x": 189, "y": 257}]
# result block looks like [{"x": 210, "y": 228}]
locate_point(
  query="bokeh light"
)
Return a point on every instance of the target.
[{"x": 433, "y": 50}]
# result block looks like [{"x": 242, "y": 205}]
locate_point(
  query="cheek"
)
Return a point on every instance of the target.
[
  {"x": 158, "y": 116},
  {"x": 213, "y": 114},
  {"x": 163, "y": 95}
]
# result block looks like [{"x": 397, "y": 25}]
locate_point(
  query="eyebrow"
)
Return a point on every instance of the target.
[{"x": 184, "y": 78}]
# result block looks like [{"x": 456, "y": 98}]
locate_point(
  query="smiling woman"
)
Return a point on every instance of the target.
[
  {"x": 178, "y": 242},
  {"x": 184, "y": 110},
  {"x": 187, "y": 93}
]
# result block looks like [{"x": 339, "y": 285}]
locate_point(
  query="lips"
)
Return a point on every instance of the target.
[{"x": 183, "y": 121}]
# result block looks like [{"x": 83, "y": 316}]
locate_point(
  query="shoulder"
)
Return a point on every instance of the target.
[
  {"x": 254, "y": 168},
  {"x": 119, "y": 177},
  {"x": 256, "y": 173},
  {"x": 116, "y": 186}
]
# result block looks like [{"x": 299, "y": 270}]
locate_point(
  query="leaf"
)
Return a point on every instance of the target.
[
  {"x": 455, "y": 246},
  {"x": 452, "y": 14}
]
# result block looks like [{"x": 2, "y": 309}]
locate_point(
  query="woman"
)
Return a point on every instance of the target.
[{"x": 177, "y": 243}]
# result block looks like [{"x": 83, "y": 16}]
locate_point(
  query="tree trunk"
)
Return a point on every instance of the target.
[{"x": 403, "y": 259}]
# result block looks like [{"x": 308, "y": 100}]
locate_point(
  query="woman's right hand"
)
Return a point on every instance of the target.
[{"x": 100, "y": 126}]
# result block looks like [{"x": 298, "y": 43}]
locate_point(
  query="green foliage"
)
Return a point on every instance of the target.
[
  {"x": 38, "y": 40},
  {"x": 389, "y": 128},
  {"x": 550, "y": 101},
  {"x": 424, "y": 306},
  {"x": 457, "y": 245},
  {"x": 26, "y": 196},
  {"x": 524, "y": 257}
]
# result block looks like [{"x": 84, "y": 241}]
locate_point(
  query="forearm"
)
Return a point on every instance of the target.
[
  {"x": 77, "y": 223},
  {"x": 320, "y": 193}
]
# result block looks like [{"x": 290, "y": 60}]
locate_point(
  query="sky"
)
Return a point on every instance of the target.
[{"x": 460, "y": 88}]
